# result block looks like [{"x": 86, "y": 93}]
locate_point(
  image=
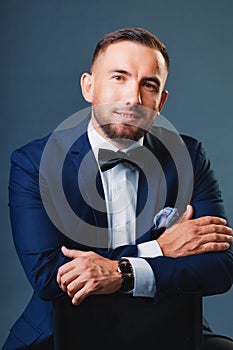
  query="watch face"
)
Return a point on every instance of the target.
[
  {"x": 126, "y": 270},
  {"x": 125, "y": 266}
]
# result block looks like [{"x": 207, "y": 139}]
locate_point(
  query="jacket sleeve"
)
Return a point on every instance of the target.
[
  {"x": 37, "y": 240},
  {"x": 210, "y": 273}
]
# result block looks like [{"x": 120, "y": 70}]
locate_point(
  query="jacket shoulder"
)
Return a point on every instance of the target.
[
  {"x": 29, "y": 154},
  {"x": 191, "y": 142},
  {"x": 172, "y": 140}
]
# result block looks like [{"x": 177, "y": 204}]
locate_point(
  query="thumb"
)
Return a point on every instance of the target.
[
  {"x": 188, "y": 214},
  {"x": 69, "y": 253}
]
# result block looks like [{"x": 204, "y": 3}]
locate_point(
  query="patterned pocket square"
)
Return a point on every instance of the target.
[{"x": 166, "y": 217}]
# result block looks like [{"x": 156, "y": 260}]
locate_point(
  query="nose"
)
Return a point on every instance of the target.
[{"x": 133, "y": 96}]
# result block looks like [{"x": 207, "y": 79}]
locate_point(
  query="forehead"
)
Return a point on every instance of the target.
[{"x": 125, "y": 54}]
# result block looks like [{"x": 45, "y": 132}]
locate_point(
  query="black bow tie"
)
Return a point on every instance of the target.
[{"x": 108, "y": 159}]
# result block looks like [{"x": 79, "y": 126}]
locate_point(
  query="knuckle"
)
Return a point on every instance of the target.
[
  {"x": 212, "y": 228},
  {"x": 70, "y": 289},
  {"x": 85, "y": 265},
  {"x": 206, "y": 220},
  {"x": 93, "y": 285},
  {"x": 59, "y": 271},
  {"x": 208, "y": 247},
  {"x": 211, "y": 219},
  {"x": 193, "y": 242},
  {"x": 89, "y": 254},
  {"x": 195, "y": 229},
  {"x": 214, "y": 246},
  {"x": 89, "y": 274},
  {"x": 63, "y": 281},
  {"x": 202, "y": 230},
  {"x": 218, "y": 246},
  {"x": 215, "y": 236}
]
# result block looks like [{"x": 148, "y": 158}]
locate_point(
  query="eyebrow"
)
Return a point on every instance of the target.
[
  {"x": 151, "y": 79},
  {"x": 121, "y": 71}
]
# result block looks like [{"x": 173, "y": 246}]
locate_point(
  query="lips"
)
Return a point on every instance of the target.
[{"x": 127, "y": 115}]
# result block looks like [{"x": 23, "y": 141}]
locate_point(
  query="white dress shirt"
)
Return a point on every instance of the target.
[{"x": 120, "y": 185}]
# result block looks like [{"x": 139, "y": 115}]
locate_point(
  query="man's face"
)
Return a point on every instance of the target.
[{"x": 126, "y": 90}]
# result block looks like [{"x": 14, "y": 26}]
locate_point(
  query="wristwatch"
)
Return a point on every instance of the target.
[{"x": 126, "y": 270}]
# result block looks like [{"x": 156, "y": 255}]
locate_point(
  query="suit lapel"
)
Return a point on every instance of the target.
[
  {"x": 151, "y": 191},
  {"x": 86, "y": 196},
  {"x": 157, "y": 187}
]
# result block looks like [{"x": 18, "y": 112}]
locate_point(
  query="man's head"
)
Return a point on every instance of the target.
[
  {"x": 126, "y": 84},
  {"x": 136, "y": 35}
]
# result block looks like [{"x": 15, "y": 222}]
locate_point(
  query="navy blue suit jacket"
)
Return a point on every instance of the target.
[{"x": 38, "y": 240}]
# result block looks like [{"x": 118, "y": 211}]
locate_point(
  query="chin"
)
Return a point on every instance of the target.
[{"x": 123, "y": 131}]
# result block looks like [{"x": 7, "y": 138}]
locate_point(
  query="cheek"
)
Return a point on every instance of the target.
[
  {"x": 153, "y": 103},
  {"x": 150, "y": 105},
  {"x": 105, "y": 93}
]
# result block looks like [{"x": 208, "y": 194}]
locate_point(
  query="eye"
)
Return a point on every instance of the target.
[
  {"x": 118, "y": 77},
  {"x": 150, "y": 86}
]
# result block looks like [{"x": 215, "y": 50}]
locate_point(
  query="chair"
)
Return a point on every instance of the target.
[{"x": 120, "y": 321}]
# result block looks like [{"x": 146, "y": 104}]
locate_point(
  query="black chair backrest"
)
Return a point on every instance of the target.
[{"x": 124, "y": 322}]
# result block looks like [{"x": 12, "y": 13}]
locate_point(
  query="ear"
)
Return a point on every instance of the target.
[
  {"x": 163, "y": 99},
  {"x": 86, "y": 83}
]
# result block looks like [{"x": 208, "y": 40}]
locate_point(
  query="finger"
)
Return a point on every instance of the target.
[
  {"x": 75, "y": 286},
  {"x": 209, "y": 247},
  {"x": 216, "y": 238},
  {"x": 71, "y": 253},
  {"x": 207, "y": 220},
  {"x": 81, "y": 295},
  {"x": 63, "y": 270},
  {"x": 66, "y": 268},
  {"x": 214, "y": 247},
  {"x": 68, "y": 279},
  {"x": 213, "y": 228},
  {"x": 188, "y": 214}
]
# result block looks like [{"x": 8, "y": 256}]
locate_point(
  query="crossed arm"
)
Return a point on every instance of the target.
[
  {"x": 88, "y": 273},
  {"x": 195, "y": 254}
]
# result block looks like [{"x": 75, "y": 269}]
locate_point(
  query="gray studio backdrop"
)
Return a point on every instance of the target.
[{"x": 47, "y": 44}]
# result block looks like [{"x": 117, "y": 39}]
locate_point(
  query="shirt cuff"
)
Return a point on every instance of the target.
[
  {"x": 144, "y": 280},
  {"x": 149, "y": 249}
]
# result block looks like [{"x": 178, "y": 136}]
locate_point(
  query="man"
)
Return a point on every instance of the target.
[{"x": 126, "y": 88}]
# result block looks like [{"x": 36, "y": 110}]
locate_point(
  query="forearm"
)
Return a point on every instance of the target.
[
  {"x": 41, "y": 270},
  {"x": 210, "y": 273}
]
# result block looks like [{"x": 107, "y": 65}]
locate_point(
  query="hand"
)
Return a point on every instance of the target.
[
  {"x": 189, "y": 237},
  {"x": 87, "y": 273}
]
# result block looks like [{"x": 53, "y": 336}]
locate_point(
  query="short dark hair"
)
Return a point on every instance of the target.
[{"x": 137, "y": 35}]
